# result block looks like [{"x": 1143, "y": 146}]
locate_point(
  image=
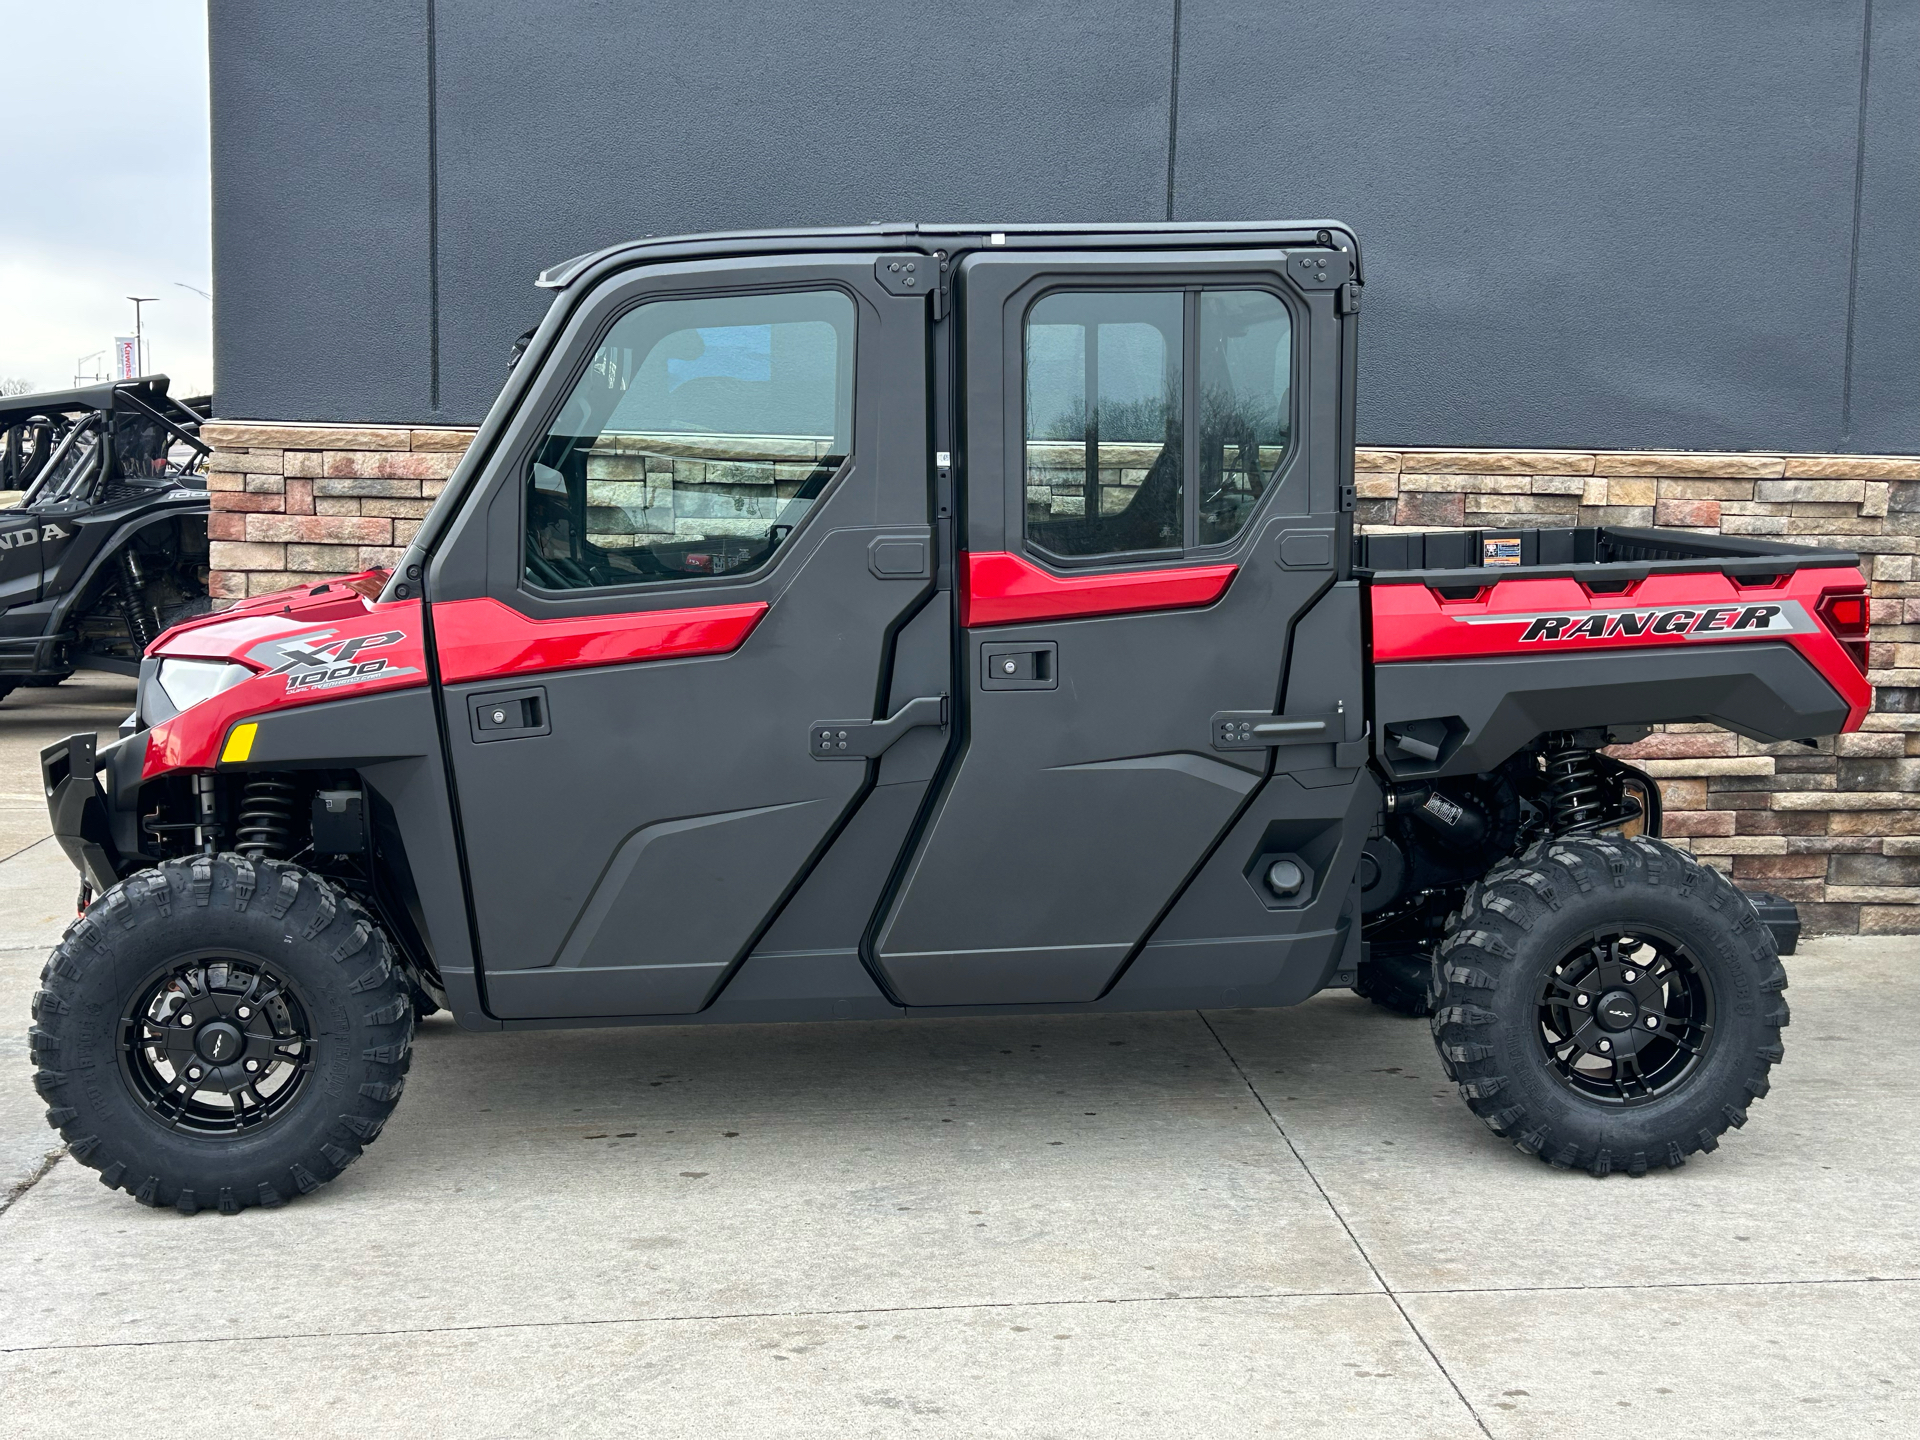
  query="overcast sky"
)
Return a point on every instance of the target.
[{"x": 103, "y": 118}]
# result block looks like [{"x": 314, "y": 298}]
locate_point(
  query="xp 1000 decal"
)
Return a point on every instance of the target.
[{"x": 317, "y": 661}]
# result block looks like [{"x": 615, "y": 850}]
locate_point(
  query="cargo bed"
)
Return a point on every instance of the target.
[{"x": 1482, "y": 639}]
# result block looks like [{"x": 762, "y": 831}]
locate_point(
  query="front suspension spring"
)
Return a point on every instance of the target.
[{"x": 265, "y": 827}]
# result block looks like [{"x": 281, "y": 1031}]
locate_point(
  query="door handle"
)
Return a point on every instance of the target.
[
  {"x": 868, "y": 739},
  {"x": 508, "y": 714},
  {"x": 1253, "y": 730},
  {"x": 1031, "y": 665}
]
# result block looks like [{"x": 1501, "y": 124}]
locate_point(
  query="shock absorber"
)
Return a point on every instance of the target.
[
  {"x": 264, "y": 830},
  {"x": 1575, "y": 792},
  {"x": 141, "y": 625}
]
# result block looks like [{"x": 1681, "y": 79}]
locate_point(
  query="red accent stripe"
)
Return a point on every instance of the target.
[
  {"x": 1002, "y": 589},
  {"x": 480, "y": 638}
]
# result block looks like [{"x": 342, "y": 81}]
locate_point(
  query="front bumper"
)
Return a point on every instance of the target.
[{"x": 96, "y": 825}]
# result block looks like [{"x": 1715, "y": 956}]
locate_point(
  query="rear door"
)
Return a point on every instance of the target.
[
  {"x": 1152, "y": 496},
  {"x": 693, "y": 548}
]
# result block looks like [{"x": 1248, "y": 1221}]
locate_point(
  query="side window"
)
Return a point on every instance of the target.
[
  {"x": 1111, "y": 397},
  {"x": 1246, "y": 363},
  {"x": 1103, "y": 442},
  {"x": 699, "y": 437}
]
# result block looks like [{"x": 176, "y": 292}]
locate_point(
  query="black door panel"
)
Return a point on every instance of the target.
[
  {"x": 628, "y": 954},
  {"x": 625, "y": 859},
  {"x": 1089, "y": 791},
  {"x": 1077, "y": 812},
  {"x": 673, "y": 803},
  {"x": 1229, "y": 931}
]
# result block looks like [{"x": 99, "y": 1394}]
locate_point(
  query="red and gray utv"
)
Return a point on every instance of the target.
[{"x": 930, "y": 621}]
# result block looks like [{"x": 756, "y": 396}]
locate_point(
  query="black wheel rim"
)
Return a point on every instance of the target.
[
  {"x": 216, "y": 1045},
  {"x": 1627, "y": 1017}
]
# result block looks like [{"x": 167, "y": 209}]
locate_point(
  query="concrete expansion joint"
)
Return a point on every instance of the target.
[
  {"x": 44, "y": 840},
  {"x": 51, "y": 1159},
  {"x": 1359, "y": 1249},
  {"x": 708, "y": 1317}
]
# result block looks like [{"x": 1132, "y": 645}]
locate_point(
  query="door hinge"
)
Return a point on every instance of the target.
[
  {"x": 869, "y": 739},
  {"x": 1346, "y": 300},
  {"x": 914, "y": 275}
]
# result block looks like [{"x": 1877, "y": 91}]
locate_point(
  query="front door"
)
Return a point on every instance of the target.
[
  {"x": 664, "y": 624},
  {"x": 1153, "y": 498}
]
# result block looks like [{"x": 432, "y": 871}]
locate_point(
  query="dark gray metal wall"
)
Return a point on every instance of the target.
[{"x": 1605, "y": 223}]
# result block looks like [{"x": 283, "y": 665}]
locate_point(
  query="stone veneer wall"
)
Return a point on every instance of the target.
[
  {"x": 1836, "y": 829},
  {"x": 293, "y": 503}
]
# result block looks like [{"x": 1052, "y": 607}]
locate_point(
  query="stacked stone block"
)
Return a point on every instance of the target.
[
  {"x": 299, "y": 503},
  {"x": 1835, "y": 827}
]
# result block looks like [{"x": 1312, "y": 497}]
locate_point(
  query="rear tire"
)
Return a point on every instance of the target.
[
  {"x": 1609, "y": 1003},
  {"x": 221, "y": 1032}
]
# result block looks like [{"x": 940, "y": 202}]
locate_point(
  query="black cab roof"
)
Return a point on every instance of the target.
[{"x": 956, "y": 237}]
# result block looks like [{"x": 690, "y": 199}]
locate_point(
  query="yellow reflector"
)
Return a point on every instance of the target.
[{"x": 239, "y": 743}]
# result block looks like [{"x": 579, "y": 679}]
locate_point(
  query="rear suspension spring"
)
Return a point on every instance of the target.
[
  {"x": 1576, "y": 792},
  {"x": 265, "y": 826}
]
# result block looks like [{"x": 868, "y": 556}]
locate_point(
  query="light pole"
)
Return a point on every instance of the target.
[{"x": 139, "y": 336}]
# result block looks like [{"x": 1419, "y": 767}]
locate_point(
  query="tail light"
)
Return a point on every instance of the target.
[{"x": 1845, "y": 613}]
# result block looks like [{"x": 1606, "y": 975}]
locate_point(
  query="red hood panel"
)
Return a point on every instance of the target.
[
  {"x": 328, "y": 651},
  {"x": 330, "y": 599}
]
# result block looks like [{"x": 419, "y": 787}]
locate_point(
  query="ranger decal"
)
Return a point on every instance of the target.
[{"x": 1675, "y": 622}]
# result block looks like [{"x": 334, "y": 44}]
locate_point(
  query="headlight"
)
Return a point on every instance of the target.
[{"x": 180, "y": 684}]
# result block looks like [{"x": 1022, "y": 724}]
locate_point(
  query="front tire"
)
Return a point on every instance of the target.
[
  {"x": 1608, "y": 1003},
  {"x": 221, "y": 1032}
]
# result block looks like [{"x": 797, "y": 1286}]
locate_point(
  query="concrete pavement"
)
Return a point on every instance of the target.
[
  {"x": 1248, "y": 1222},
  {"x": 37, "y": 887},
  {"x": 33, "y": 717}
]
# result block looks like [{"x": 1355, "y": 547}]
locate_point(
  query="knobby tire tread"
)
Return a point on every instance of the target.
[
  {"x": 1487, "y": 951},
  {"x": 317, "y": 928}
]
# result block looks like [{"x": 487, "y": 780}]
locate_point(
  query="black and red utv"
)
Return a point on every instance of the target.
[
  {"x": 106, "y": 544},
  {"x": 928, "y": 621}
]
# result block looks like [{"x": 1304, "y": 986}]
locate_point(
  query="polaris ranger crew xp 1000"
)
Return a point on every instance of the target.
[{"x": 928, "y": 621}]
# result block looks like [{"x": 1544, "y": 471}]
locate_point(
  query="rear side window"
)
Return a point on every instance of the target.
[
  {"x": 1132, "y": 444},
  {"x": 1246, "y": 359},
  {"x": 1103, "y": 444},
  {"x": 699, "y": 437}
]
